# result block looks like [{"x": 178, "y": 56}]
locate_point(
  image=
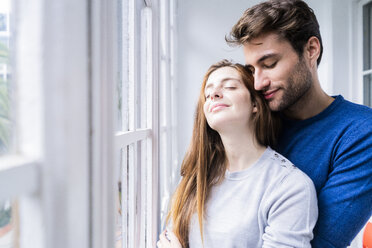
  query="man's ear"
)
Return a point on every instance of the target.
[{"x": 312, "y": 50}]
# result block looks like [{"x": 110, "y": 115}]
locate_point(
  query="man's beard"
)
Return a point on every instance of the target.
[{"x": 298, "y": 84}]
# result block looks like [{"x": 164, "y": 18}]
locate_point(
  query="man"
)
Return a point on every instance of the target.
[{"x": 327, "y": 137}]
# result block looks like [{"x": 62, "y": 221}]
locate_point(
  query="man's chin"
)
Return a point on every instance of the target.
[{"x": 275, "y": 106}]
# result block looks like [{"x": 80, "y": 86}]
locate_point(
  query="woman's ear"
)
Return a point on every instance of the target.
[{"x": 254, "y": 109}]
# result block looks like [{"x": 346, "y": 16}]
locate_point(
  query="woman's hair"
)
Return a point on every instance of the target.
[
  {"x": 292, "y": 20},
  {"x": 204, "y": 164}
]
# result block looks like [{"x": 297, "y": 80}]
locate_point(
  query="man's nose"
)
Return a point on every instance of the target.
[{"x": 261, "y": 81}]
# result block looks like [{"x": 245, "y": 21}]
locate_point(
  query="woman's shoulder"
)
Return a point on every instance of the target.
[
  {"x": 277, "y": 159},
  {"x": 286, "y": 172}
]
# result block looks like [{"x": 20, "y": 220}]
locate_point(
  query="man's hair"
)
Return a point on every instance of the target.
[{"x": 292, "y": 20}]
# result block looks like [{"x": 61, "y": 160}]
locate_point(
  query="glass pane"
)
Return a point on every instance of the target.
[
  {"x": 122, "y": 202},
  {"x": 5, "y": 76},
  {"x": 145, "y": 88},
  {"x": 142, "y": 183},
  {"x": 119, "y": 80},
  {"x": 132, "y": 197},
  {"x": 367, "y": 36},
  {"x": 367, "y": 83},
  {"x": 118, "y": 218},
  {"x": 131, "y": 64},
  {"x": 124, "y": 69},
  {"x": 8, "y": 225},
  {"x": 118, "y": 208}
]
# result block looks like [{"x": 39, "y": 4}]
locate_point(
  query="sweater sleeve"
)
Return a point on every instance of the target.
[
  {"x": 345, "y": 201},
  {"x": 291, "y": 212}
]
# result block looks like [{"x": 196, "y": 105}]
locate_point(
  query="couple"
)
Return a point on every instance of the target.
[{"x": 236, "y": 191}]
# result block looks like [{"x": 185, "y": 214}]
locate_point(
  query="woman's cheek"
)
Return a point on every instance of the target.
[{"x": 205, "y": 108}]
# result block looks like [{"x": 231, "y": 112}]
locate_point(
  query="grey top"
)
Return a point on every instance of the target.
[{"x": 269, "y": 204}]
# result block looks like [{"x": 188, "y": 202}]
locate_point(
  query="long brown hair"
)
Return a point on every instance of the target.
[{"x": 204, "y": 164}]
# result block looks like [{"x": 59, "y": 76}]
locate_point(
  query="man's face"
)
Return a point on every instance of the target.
[{"x": 279, "y": 73}]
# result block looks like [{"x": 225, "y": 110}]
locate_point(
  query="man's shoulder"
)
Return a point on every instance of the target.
[
  {"x": 343, "y": 114},
  {"x": 348, "y": 109}
]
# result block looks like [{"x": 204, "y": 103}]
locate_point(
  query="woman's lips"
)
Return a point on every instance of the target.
[{"x": 218, "y": 106}]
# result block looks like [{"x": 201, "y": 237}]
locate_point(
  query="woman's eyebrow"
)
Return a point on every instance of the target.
[{"x": 223, "y": 81}]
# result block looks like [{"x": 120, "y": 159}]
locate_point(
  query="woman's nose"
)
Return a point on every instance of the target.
[{"x": 216, "y": 94}]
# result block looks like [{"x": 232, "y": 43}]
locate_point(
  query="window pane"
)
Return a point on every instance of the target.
[
  {"x": 122, "y": 201},
  {"x": 143, "y": 180},
  {"x": 119, "y": 84},
  {"x": 118, "y": 212},
  {"x": 124, "y": 73},
  {"x": 367, "y": 90},
  {"x": 367, "y": 36},
  {"x": 5, "y": 76},
  {"x": 145, "y": 88},
  {"x": 8, "y": 225},
  {"x": 134, "y": 192}
]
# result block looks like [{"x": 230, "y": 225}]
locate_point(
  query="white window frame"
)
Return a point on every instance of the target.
[
  {"x": 170, "y": 166},
  {"x": 356, "y": 49},
  {"x": 369, "y": 71},
  {"x": 102, "y": 35}
]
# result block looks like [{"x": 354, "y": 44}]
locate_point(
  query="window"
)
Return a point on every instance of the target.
[
  {"x": 145, "y": 137},
  {"x": 18, "y": 161},
  {"x": 135, "y": 130},
  {"x": 8, "y": 213},
  {"x": 5, "y": 82},
  {"x": 367, "y": 54},
  {"x": 66, "y": 154}
]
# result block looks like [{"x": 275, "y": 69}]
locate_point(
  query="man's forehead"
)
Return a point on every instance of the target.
[
  {"x": 264, "y": 47},
  {"x": 265, "y": 38}
]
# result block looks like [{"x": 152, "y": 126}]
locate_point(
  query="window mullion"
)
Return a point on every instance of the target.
[{"x": 125, "y": 138}]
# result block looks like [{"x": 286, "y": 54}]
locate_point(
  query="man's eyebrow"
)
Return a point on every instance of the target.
[{"x": 266, "y": 56}]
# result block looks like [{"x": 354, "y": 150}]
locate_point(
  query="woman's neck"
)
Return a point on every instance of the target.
[{"x": 242, "y": 149}]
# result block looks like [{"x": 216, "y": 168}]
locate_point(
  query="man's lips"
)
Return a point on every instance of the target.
[
  {"x": 217, "y": 106},
  {"x": 269, "y": 94}
]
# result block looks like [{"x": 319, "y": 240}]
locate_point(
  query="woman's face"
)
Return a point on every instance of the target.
[{"x": 228, "y": 102}]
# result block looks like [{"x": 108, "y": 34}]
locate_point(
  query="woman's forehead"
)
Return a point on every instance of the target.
[{"x": 223, "y": 74}]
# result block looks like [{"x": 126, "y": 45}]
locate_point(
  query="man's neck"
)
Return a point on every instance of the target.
[{"x": 311, "y": 104}]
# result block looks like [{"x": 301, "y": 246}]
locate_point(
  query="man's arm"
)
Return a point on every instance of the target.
[{"x": 345, "y": 201}]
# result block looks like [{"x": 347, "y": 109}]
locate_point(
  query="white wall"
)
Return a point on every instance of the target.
[{"x": 202, "y": 26}]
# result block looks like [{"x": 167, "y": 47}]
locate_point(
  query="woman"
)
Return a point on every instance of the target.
[{"x": 235, "y": 190}]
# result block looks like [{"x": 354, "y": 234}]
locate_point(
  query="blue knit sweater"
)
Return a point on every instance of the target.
[{"x": 334, "y": 148}]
